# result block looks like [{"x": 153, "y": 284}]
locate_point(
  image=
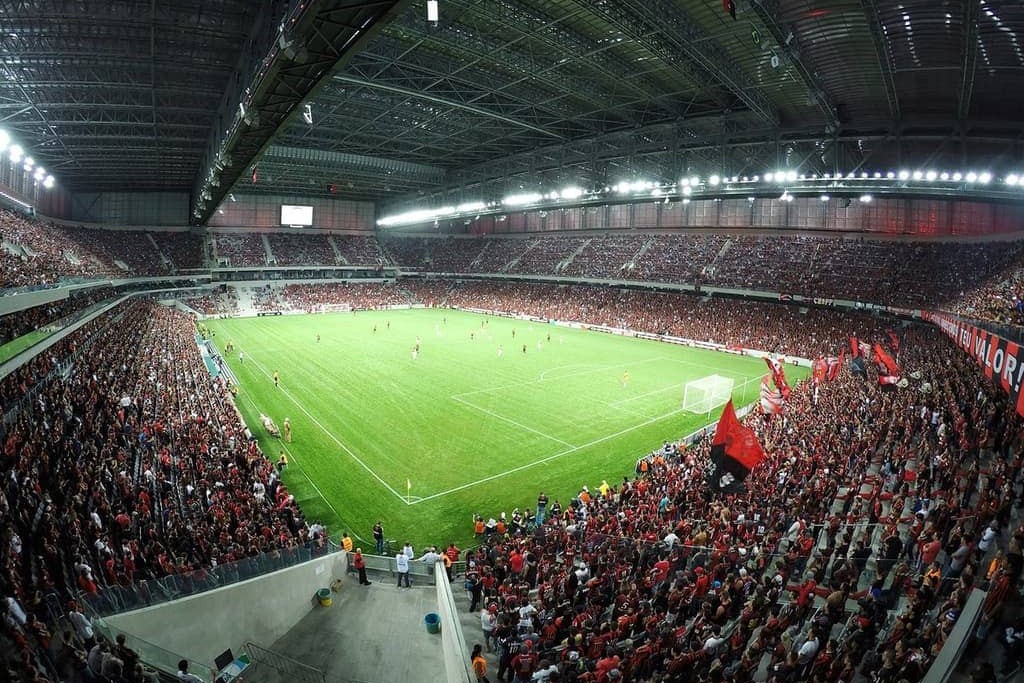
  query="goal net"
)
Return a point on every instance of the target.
[{"x": 701, "y": 395}]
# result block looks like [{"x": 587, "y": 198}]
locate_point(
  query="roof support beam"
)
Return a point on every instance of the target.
[
  {"x": 405, "y": 92},
  {"x": 969, "y": 57},
  {"x": 882, "y": 53},
  {"x": 766, "y": 13}
]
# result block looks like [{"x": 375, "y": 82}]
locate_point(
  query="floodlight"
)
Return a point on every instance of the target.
[
  {"x": 824, "y": 197},
  {"x": 470, "y": 206},
  {"x": 865, "y": 198},
  {"x": 756, "y": 178},
  {"x": 768, "y": 177},
  {"x": 791, "y": 176},
  {"x": 29, "y": 163},
  {"x": 890, "y": 175},
  {"x": 687, "y": 190},
  {"x": 877, "y": 174},
  {"x": 863, "y": 175},
  {"x": 904, "y": 175},
  {"x": 957, "y": 176},
  {"x": 972, "y": 177},
  {"x": 918, "y": 175},
  {"x": 48, "y": 183},
  {"x": 16, "y": 153},
  {"x": 943, "y": 176},
  {"x": 694, "y": 180},
  {"x": 686, "y": 201},
  {"x": 519, "y": 199},
  {"x": 1012, "y": 179},
  {"x": 931, "y": 175},
  {"x": 572, "y": 193},
  {"x": 984, "y": 177},
  {"x": 685, "y": 182},
  {"x": 656, "y": 192},
  {"x": 735, "y": 179},
  {"x": 714, "y": 180},
  {"x": 432, "y": 11},
  {"x": 40, "y": 173}
]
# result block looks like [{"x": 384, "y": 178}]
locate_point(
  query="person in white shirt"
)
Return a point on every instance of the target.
[
  {"x": 402, "y": 565},
  {"x": 408, "y": 550},
  {"x": 671, "y": 539},
  {"x": 184, "y": 676},
  {"x": 430, "y": 558}
]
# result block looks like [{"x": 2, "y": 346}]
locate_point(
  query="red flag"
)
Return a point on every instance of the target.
[
  {"x": 894, "y": 341},
  {"x": 819, "y": 368},
  {"x": 886, "y": 362},
  {"x": 778, "y": 376},
  {"x": 835, "y": 365},
  {"x": 771, "y": 399},
  {"x": 854, "y": 347},
  {"x": 735, "y": 451}
]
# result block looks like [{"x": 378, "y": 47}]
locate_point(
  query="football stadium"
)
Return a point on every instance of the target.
[{"x": 539, "y": 341}]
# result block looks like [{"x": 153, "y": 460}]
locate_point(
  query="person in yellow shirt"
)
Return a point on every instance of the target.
[
  {"x": 604, "y": 488},
  {"x": 346, "y": 543},
  {"x": 625, "y": 379}
]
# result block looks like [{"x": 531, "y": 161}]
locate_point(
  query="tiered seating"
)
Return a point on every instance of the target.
[
  {"x": 113, "y": 491},
  {"x": 545, "y": 255},
  {"x": 342, "y": 296},
  {"x": 185, "y": 249},
  {"x": 655, "y": 579},
  {"x": 360, "y": 250},
  {"x": 606, "y": 257},
  {"x": 22, "y": 322},
  {"x": 241, "y": 249},
  {"x": 500, "y": 255},
  {"x": 302, "y": 250}
]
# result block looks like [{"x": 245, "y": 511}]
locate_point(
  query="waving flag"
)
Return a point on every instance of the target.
[
  {"x": 778, "y": 376},
  {"x": 735, "y": 451},
  {"x": 771, "y": 399}
]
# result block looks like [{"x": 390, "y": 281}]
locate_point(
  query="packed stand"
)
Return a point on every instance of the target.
[
  {"x": 133, "y": 466},
  {"x": 302, "y": 250},
  {"x": 679, "y": 258},
  {"x": 607, "y": 257},
  {"x": 267, "y": 298},
  {"x": 14, "y": 325},
  {"x": 183, "y": 248},
  {"x": 241, "y": 249},
  {"x": 733, "y": 323},
  {"x": 35, "y": 254},
  {"x": 334, "y": 296},
  {"x": 132, "y": 248},
  {"x": 223, "y": 302},
  {"x": 806, "y": 576},
  {"x": 360, "y": 250},
  {"x": 546, "y": 255}
]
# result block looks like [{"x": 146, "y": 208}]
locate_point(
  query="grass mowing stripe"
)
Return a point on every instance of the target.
[
  {"x": 332, "y": 436},
  {"x": 549, "y": 458},
  {"x": 510, "y": 421},
  {"x": 397, "y": 415}
]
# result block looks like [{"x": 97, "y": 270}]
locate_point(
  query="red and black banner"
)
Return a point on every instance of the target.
[
  {"x": 1000, "y": 359},
  {"x": 735, "y": 451}
]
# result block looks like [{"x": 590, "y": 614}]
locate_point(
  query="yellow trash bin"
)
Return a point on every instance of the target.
[{"x": 324, "y": 596}]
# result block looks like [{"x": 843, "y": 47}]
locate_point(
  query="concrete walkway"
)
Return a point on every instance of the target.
[{"x": 371, "y": 634}]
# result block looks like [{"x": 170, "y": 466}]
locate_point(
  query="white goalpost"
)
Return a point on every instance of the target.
[{"x": 704, "y": 394}]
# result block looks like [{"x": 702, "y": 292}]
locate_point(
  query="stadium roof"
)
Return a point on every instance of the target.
[{"x": 502, "y": 94}]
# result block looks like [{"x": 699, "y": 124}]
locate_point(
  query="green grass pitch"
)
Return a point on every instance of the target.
[{"x": 471, "y": 431}]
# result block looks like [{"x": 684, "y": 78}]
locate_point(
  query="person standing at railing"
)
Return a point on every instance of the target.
[
  {"x": 360, "y": 564},
  {"x": 402, "y": 565},
  {"x": 378, "y": 537}
]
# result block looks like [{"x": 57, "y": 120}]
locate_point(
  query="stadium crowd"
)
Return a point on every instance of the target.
[
  {"x": 130, "y": 466},
  {"x": 847, "y": 556},
  {"x": 14, "y": 325}
]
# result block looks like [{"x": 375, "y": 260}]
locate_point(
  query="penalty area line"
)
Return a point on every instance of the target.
[
  {"x": 549, "y": 458},
  {"x": 512, "y": 422},
  {"x": 333, "y": 438}
]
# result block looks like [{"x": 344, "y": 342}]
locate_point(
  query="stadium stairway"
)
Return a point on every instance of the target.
[
  {"x": 338, "y": 257},
  {"x": 572, "y": 257},
  {"x": 268, "y": 252}
]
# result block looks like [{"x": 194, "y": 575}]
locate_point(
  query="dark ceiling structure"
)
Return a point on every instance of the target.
[{"x": 502, "y": 96}]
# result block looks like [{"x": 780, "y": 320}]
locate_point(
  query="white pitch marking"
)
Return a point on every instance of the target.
[
  {"x": 511, "y": 421},
  {"x": 549, "y": 458},
  {"x": 335, "y": 439}
]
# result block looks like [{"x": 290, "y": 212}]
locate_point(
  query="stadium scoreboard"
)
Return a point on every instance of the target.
[{"x": 294, "y": 215}]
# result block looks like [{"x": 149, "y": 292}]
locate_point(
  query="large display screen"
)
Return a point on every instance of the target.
[{"x": 296, "y": 215}]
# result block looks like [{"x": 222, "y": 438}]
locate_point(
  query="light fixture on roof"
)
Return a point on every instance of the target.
[
  {"x": 865, "y": 198},
  {"x": 918, "y": 175},
  {"x": 957, "y": 176},
  {"x": 890, "y": 175},
  {"x": 29, "y": 163},
  {"x": 943, "y": 176},
  {"x": 572, "y": 192},
  {"x": 1012, "y": 179},
  {"x": 984, "y": 177},
  {"x": 433, "y": 12},
  {"x": 687, "y": 190},
  {"x": 48, "y": 183},
  {"x": 769, "y": 176},
  {"x": 307, "y": 114},
  {"x": 824, "y": 197},
  {"x": 904, "y": 175},
  {"x": 16, "y": 153},
  {"x": 931, "y": 175},
  {"x": 714, "y": 180},
  {"x": 972, "y": 177}
]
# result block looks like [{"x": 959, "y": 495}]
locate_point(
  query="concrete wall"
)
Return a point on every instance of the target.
[
  {"x": 456, "y": 655},
  {"x": 262, "y": 610}
]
